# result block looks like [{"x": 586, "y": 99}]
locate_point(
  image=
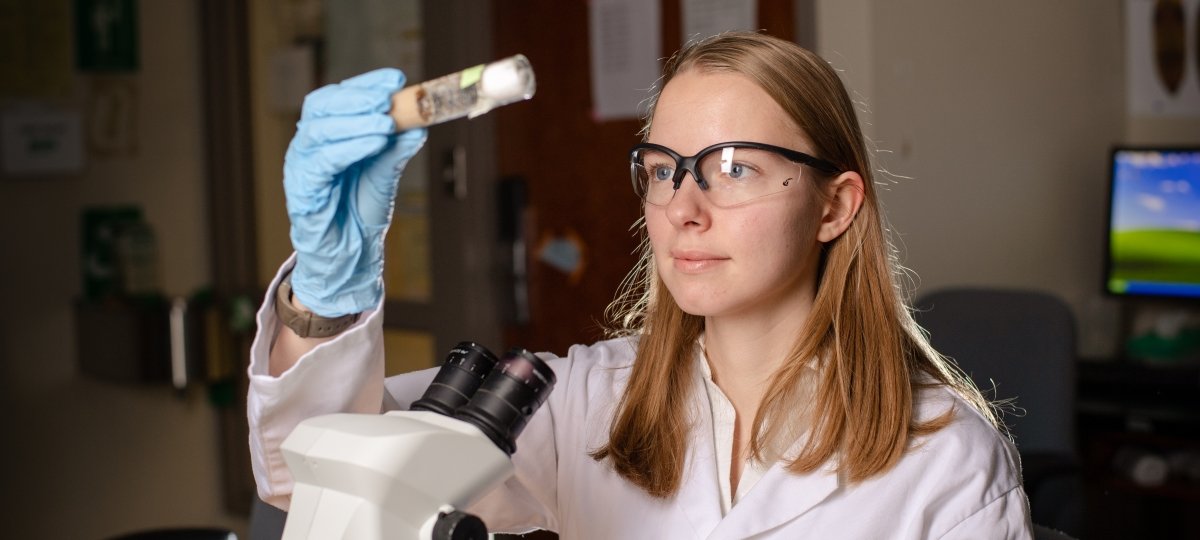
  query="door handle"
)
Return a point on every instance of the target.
[
  {"x": 513, "y": 203},
  {"x": 454, "y": 172},
  {"x": 180, "y": 361}
]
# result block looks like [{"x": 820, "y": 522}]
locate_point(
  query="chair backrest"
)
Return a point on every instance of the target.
[
  {"x": 266, "y": 521},
  {"x": 1024, "y": 342}
]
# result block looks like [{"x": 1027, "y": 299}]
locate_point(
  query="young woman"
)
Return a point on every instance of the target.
[{"x": 769, "y": 382}]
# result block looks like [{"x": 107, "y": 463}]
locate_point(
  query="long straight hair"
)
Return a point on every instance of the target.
[{"x": 870, "y": 356}]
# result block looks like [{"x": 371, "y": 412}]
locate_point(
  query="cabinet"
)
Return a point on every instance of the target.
[{"x": 1134, "y": 420}]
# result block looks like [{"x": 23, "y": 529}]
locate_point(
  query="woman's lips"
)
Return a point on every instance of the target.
[{"x": 693, "y": 262}]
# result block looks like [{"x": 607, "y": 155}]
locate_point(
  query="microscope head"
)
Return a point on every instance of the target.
[{"x": 386, "y": 476}]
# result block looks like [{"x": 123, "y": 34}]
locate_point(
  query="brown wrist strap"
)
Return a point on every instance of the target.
[{"x": 307, "y": 324}]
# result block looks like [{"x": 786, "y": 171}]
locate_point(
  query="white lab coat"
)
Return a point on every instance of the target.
[{"x": 962, "y": 482}]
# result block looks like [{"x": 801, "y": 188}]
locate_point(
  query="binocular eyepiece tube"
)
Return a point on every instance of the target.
[{"x": 498, "y": 396}]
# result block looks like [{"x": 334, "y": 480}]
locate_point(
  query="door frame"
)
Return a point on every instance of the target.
[{"x": 463, "y": 242}]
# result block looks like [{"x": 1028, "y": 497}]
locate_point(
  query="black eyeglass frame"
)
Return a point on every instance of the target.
[{"x": 688, "y": 164}]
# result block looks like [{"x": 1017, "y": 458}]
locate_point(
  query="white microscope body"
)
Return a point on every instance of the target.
[
  {"x": 409, "y": 474},
  {"x": 370, "y": 476}
]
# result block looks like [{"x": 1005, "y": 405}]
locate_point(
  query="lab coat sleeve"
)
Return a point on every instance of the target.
[
  {"x": 1004, "y": 518},
  {"x": 345, "y": 374}
]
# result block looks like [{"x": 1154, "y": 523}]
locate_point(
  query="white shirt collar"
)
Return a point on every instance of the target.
[{"x": 723, "y": 422}]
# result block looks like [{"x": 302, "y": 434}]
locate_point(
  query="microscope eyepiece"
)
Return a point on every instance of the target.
[
  {"x": 512, "y": 392},
  {"x": 496, "y": 396},
  {"x": 467, "y": 366}
]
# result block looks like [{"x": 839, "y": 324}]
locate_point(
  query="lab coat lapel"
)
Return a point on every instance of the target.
[
  {"x": 699, "y": 496},
  {"x": 778, "y": 497}
]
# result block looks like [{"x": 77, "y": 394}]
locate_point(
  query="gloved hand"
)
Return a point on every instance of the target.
[{"x": 340, "y": 177}]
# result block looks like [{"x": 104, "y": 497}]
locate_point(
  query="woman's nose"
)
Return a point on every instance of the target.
[{"x": 688, "y": 207}]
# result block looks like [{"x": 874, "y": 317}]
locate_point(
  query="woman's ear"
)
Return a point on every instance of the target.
[{"x": 847, "y": 192}]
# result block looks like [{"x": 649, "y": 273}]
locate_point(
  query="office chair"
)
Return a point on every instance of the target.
[
  {"x": 266, "y": 521},
  {"x": 1020, "y": 345}
]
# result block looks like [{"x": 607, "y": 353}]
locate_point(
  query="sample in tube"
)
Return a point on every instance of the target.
[{"x": 470, "y": 92}]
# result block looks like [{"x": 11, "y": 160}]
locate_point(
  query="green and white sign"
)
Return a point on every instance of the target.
[{"x": 106, "y": 35}]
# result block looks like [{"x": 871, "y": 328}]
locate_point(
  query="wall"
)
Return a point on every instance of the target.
[
  {"x": 89, "y": 459},
  {"x": 994, "y": 121}
]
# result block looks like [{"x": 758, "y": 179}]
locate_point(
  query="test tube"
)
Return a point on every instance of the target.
[{"x": 470, "y": 92}]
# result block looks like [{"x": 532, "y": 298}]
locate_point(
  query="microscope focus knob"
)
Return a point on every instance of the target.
[{"x": 459, "y": 526}]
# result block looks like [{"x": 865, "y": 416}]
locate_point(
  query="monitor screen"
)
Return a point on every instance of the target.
[{"x": 1154, "y": 223}]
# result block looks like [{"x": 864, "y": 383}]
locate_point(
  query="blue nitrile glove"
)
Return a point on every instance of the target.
[{"x": 340, "y": 176}]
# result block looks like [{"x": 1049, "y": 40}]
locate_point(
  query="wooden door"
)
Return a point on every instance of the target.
[{"x": 574, "y": 168}]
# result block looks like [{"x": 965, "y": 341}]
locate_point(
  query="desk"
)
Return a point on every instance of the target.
[{"x": 1123, "y": 405}]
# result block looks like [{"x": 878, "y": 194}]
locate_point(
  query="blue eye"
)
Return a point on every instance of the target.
[
  {"x": 663, "y": 173},
  {"x": 737, "y": 170}
]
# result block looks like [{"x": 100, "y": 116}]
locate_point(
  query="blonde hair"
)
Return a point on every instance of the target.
[{"x": 871, "y": 354}]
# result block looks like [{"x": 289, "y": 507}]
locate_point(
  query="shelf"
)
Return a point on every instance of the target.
[
  {"x": 1170, "y": 490},
  {"x": 1122, "y": 404},
  {"x": 1139, "y": 397}
]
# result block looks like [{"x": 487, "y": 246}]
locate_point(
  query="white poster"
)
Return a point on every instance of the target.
[
  {"x": 706, "y": 18},
  {"x": 1162, "y": 63},
  {"x": 625, "y": 40},
  {"x": 37, "y": 141}
]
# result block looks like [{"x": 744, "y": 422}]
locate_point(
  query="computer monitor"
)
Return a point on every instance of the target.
[{"x": 1153, "y": 245}]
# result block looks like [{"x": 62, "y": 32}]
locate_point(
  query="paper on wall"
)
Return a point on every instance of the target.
[
  {"x": 37, "y": 141},
  {"x": 705, "y": 18},
  {"x": 625, "y": 39}
]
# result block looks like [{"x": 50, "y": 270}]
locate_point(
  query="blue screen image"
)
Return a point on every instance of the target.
[{"x": 1154, "y": 226}]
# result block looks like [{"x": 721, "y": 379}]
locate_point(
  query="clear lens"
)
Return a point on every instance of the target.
[
  {"x": 653, "y": 175},
  {"x": 730, "y": 175},
  {"x": 737, "y": 175}
]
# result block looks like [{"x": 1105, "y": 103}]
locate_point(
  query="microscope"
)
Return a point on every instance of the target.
[{"x": 408, "y": 474}]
